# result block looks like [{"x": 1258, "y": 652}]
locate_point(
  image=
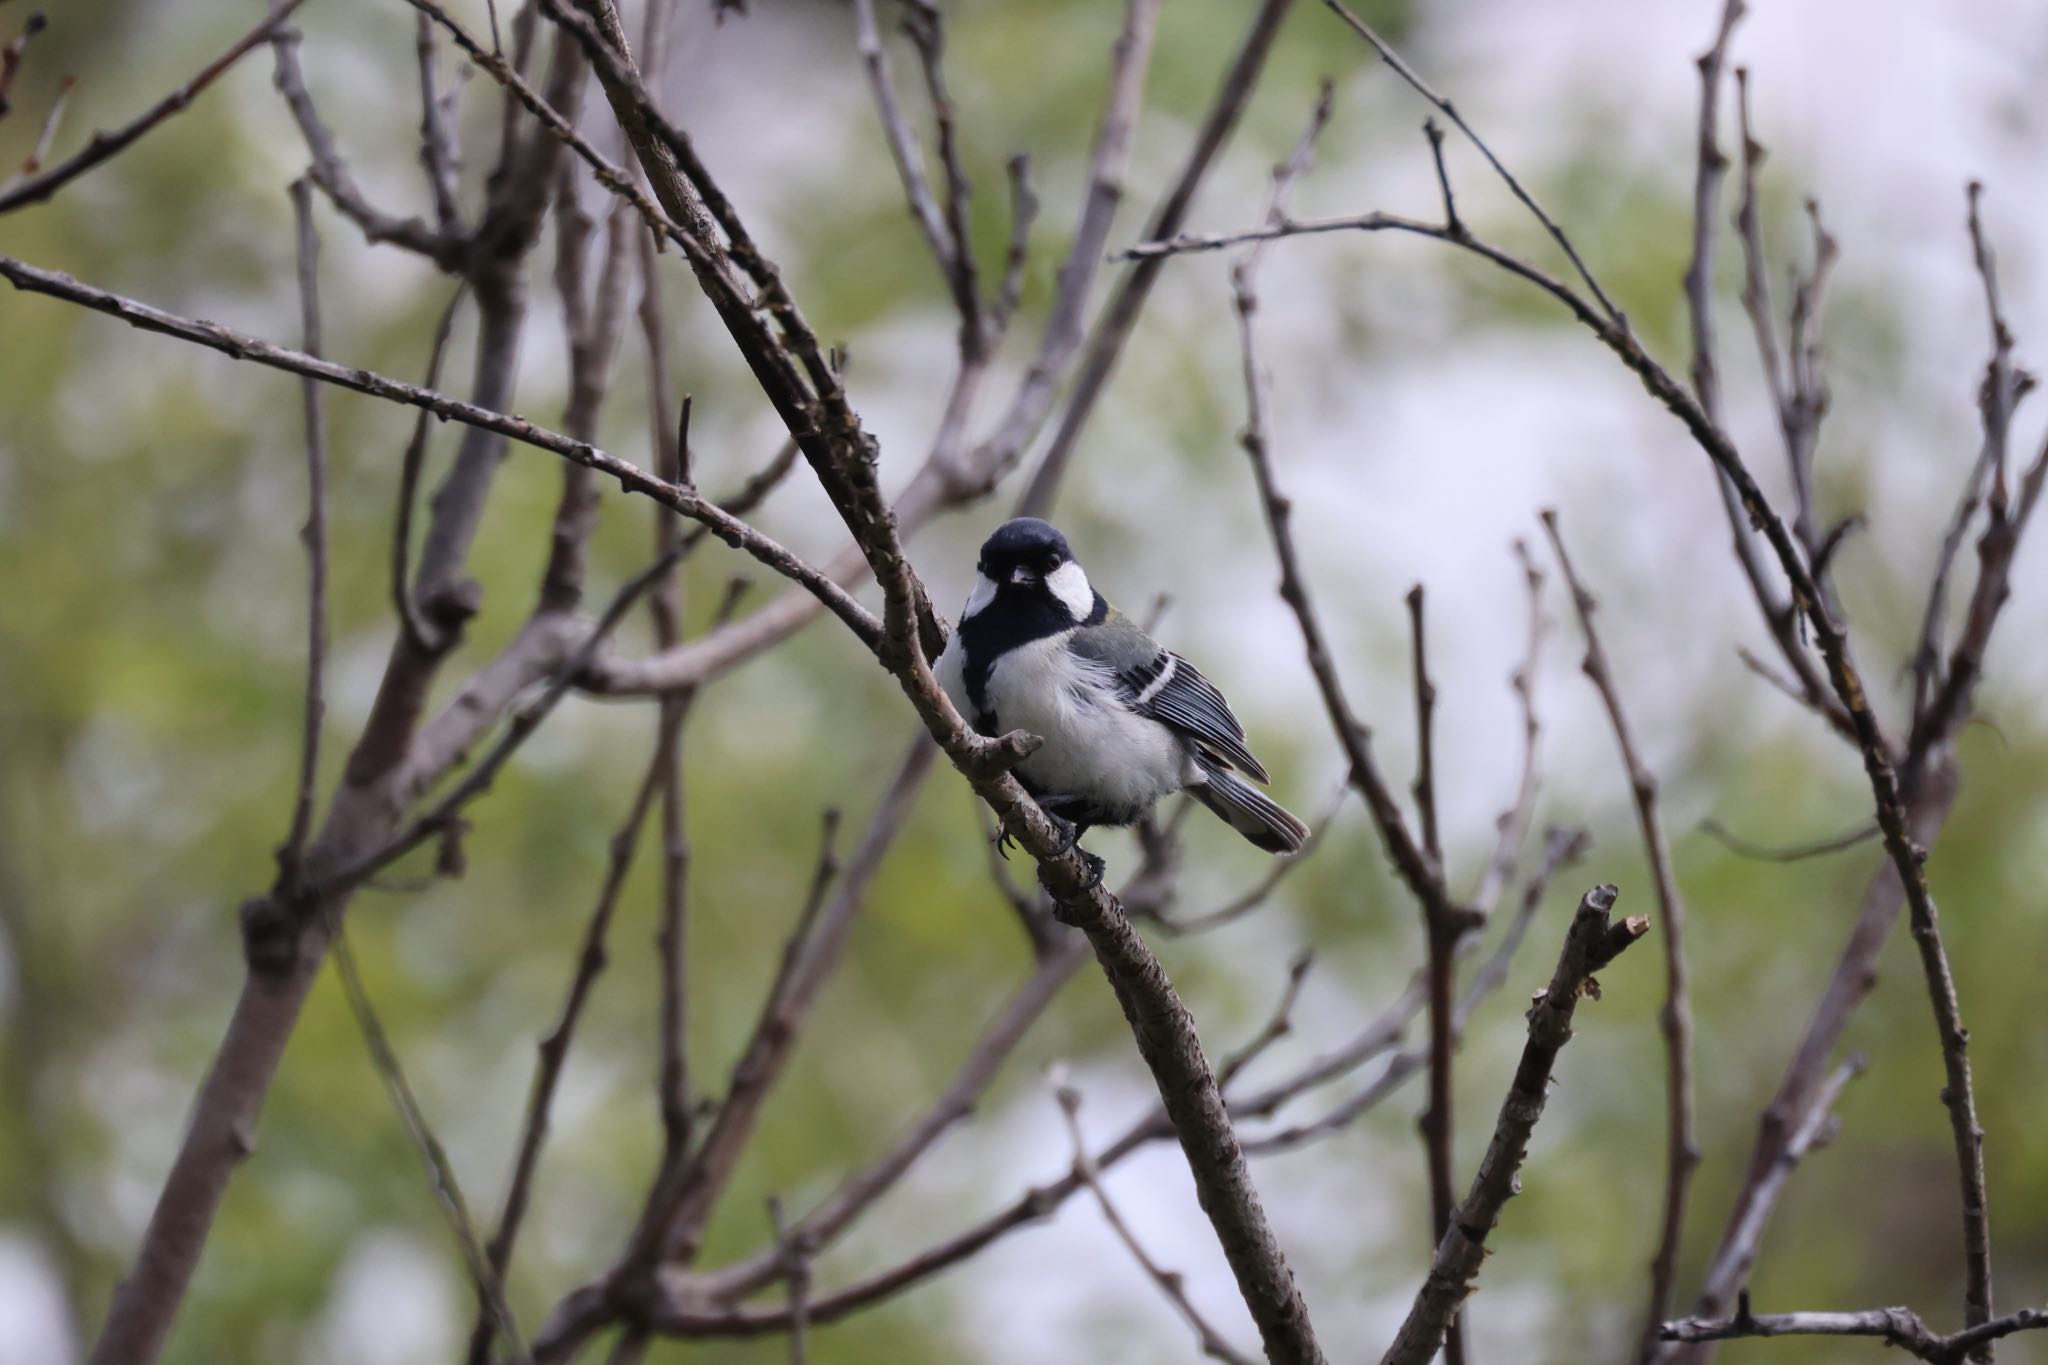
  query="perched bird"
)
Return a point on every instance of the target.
[{"x": 1124, "y": 721}]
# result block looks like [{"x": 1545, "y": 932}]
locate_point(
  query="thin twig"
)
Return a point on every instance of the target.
[
  {"x": 1736, "y": 1257},
  {"x": 1113, "y": 328},
  {"x": 1512, "y": 824},
  {"x": 290, "y": 858},
  {"x": 1681, "y": 1149},
  {"x": 1442, "y": 933},
  {"x": 45, "y": 135},
  {"x": 1562, "y": 848},
  {"x": 423, "y": 636},
  {"x": 796, "y": 1262},
  {"x": 1900, "y": 1327},
  {"x": 437, "y": 138},
  {"x": 1999, "y": 394},
  {"x": 1711, "y": 166},
  {"x": 1444, "y": 106},
  {"x": 553, "y": 1051},
  {"x": 1129, "y": 60},
  {"x": 1262, "y": 890},
  {"x": 104, "y": 145},
  {"x": 1410, "y": 859},
  {"x": 1425, "y": 731},
  {"x": 440, "y": 1171},
  {"x": 1169, "y": 1282},
  {"x": 903, "y": 148},
  {"x": 630, "y": 477},
  {"x": 1023, "y": 212},
  {"x": 1790, "y": 853},
  {"x": 330, "y": 172}
]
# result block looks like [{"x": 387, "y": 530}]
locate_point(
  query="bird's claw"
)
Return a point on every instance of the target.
[
  {"x": 1095, "y": 867},
  {"x": 1069, "y": 832}
]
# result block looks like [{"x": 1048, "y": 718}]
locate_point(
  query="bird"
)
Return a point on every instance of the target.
[{"x": 1124, "y": 720}]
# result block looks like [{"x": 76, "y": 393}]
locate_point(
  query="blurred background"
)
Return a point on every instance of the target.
[{"x": 151, "y": 643}]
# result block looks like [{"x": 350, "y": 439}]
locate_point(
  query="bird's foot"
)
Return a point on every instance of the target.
[
  {"x": 1069, "y": 832},
  {"x": 1095, "y": 867}
]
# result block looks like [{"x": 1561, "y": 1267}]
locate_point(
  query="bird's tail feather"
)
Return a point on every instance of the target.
[{"x": 1249, "y": 811}]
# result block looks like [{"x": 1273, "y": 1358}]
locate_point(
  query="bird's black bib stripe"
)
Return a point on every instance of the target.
[{"x": 991, "y": 633}]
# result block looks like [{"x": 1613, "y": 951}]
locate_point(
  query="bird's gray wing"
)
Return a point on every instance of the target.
[{"x": 1158, "y": 683}]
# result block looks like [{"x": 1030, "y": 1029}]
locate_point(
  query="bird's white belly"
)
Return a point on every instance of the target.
[{"x": 1095, "y": 747}]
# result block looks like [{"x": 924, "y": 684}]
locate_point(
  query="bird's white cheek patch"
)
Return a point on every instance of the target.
[
  {"x": 1070, "y": 585},
  {"x": 983, "y": 594}
]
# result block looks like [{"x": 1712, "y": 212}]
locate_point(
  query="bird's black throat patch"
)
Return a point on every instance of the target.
[{"x": 1016, "y": 617}]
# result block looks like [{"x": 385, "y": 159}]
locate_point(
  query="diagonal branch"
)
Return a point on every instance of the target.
[
  {"x": 1592, "y": 942},
  {"x": 104, "y": 145},
  {"x": 685, "y": 501}
]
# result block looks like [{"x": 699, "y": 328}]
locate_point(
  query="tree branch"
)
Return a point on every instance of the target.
[
  {"x": 291, "y": 857},
  {"x": 104, "y": 145},
  {"x": 1899, "y": 1327},
  {"x": 1591, "y": 944},
  {"x": 631, "y": 478}
]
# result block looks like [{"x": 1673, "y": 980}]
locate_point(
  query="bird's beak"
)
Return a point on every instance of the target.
[{"x": 1020, "y": 574}]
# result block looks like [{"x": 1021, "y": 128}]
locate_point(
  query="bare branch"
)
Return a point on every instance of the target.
[
  {"x": 331, "y": 173},
  {"x": 291, "y": 857},
  {"x": 1444, "y": 106},
  {"x": 1410, "y": 859},
  {"x": 1513, "y": 823},
  {"x": 1735, "y": 1258},
  {"x": 1169, "y": 1282},
  {"x": 1592, "y": 943},
  {"x": 1997, "y": 397},
  {"x": 1780, "y": 617},
  {"x": 809, "y": 955},
  {"x": 45, "y": 135},
  {"x": 1023, "y": 212},
  {"x": 1681, "y": 1151},
  {"x": 438, "y": 157},
  {"x": 1562, "y": 848},
  {"x": 944, "y": 236},
  {"x": 1900, "y": 1327},
  {"x": 440, "y": 1171},
  {"x": 1791, "y": 853},
  {"x": 1120, "y": 314},
  {"x": 422, "y": 636},
  {"x": 1854, "y": 975},
  {"x": 685, "y": 501},
  {"x": 1262, "y": 890},
  {"x": 925, "y": 25},
  {"x": 104, "y": 145},
  {"x": 595, "y": 324},
  {"x": 554, "y": 1050},
  {"x": 796, "y": 1261},
  {"x": 1130, "y": 59},
  {"x": 1425, "y": 740}
]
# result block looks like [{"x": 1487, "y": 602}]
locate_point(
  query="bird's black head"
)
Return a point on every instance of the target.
[
  {"x": 1024, "y": 544},
  {"x": 1027, "y": 571}
]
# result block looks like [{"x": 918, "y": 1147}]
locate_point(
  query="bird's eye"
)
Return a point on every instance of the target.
[{"x": 1049, "y": 563}]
